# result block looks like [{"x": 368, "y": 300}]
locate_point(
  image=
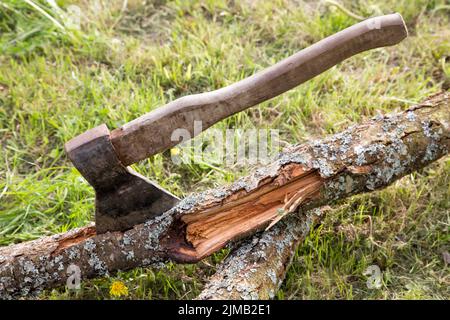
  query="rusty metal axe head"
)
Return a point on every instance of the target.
[{"x": 124, "y": 198}]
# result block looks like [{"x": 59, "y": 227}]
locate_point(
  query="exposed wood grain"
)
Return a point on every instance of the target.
[{"x": 208, "y": 232}]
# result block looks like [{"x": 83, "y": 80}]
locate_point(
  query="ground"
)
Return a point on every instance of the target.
[{"x": 61, "y": 75}]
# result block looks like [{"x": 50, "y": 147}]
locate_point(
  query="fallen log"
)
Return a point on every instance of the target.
[
  {"x": 257, "y": 268},
  {"x": 360, "y": 159}
]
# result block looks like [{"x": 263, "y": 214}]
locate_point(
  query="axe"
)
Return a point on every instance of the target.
[{"x": 125, "y": 198}]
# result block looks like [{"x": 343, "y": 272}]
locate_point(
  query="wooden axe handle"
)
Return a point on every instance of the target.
[{"x": 151, "y": 133}]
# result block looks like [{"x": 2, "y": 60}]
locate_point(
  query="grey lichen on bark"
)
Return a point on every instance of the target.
[
  {"x": 30, "y": 267},
  {"x": 374, "y": 154}
]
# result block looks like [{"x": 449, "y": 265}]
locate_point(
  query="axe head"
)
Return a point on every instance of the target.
[{"x": 123, "y": 198}]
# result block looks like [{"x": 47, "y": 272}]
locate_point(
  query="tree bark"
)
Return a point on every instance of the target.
[
  {"x": 257, "y": 268},
  {"x": 360, "y": 159}
]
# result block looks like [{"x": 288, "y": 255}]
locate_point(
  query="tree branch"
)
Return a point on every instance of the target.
[
  {"x": 257, "y": 268},
  {"x": 362, "y": 158}
]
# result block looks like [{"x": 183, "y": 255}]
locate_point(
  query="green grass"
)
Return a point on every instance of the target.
[{"x": 57, "y": 81}]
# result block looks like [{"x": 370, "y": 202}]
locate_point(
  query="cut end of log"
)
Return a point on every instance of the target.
[{"x": 242, "y": 213}]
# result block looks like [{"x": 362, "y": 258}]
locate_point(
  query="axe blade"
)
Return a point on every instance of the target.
[{"x": 123, "y": 198}]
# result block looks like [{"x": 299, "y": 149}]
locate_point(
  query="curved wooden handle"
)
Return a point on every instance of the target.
[{"x": 151, "y": 133}]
